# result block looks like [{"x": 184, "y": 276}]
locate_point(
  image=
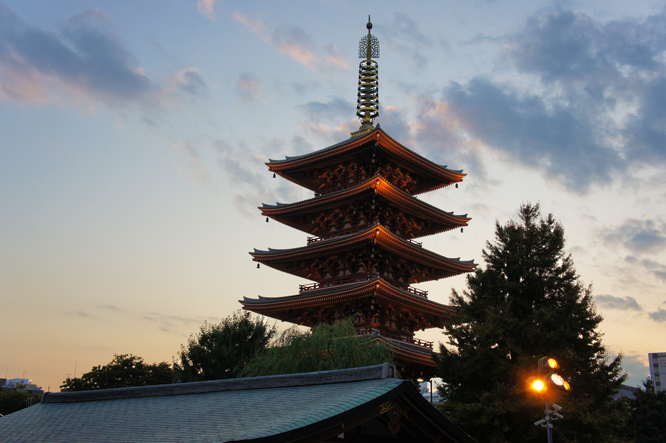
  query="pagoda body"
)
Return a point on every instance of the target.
[{"x": 363, "y": 224}]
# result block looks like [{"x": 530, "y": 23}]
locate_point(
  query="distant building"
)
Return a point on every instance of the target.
[
  {"x": 21, "y": 384},
  {"x": 657, "y": 362},
  {"x": 626, "y": 391}
]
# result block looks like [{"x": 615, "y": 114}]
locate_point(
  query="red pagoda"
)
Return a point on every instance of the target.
[{"x": 362, "y": 254}]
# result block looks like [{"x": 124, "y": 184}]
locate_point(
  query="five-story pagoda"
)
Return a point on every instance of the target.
[{"x": 363, "y": 223}]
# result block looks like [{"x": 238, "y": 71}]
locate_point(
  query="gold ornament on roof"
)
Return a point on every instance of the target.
[{"x": 367, "y": 101}]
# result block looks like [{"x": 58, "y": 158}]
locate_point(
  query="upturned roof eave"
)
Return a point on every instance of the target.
[
  {"x": 345, "y": 241},
  {"x": 378, "y": 134},
  {"x": 391, "y": 193},
  {"x": 378, "y": 285}
]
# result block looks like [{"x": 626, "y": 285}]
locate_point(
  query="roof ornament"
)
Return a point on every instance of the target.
[{"x": 367, "y": 101}]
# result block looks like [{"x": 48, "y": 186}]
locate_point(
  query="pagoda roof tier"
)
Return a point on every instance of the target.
[
  {"x": 298, "y": 169},
  {"x": 427, "y": 218},
  {"x": 296, "y": 261},
  {"x": 368, "y": 297},
  {"x": 410, "y": 353}
]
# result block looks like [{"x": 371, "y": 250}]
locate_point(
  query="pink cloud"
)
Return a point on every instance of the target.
[
  {"x": 85, "y": 64},
  {"x": 248, "y": 87},
  {"x": 294, "y": 42},
  {"x": 207, "y": 8},
  {"x": 255, "y": 26},
  {"x": 195, "y": 168}
]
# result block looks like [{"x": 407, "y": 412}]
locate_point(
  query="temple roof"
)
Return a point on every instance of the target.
[
  {"x": 384, "y": 292},
  {"x": 287, "y": 167},
  {"x": 369, "y": 136},
  {"x": 442, "y": 220},
  {"x": 284, "y": 408},
  {"x": 373, "y": 235}
]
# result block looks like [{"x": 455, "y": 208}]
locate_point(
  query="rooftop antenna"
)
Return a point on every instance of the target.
[{"x": 367, "y": 98}]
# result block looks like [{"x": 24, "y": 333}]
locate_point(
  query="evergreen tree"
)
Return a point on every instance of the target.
[
  {"x": 323, "y": 348},
  {"x": 647, "y": 416},
  {"x": 528, "y": 303}
]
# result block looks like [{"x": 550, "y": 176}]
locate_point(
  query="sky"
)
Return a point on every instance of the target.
[{"x": 134, "y": 137}]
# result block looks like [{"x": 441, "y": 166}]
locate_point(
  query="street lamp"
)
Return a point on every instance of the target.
[
  {"x": 543, "y": 384},
  {"x": 421, "y": 380}
]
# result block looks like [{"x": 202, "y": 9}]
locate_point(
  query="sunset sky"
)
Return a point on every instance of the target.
[{"x": 133, "y": 137}]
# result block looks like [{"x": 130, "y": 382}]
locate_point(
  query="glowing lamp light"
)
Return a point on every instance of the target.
[
  {"x": 557, "y": 379},
  {"x": 567, "y": 386},
  {"x": 536, "y": 384},
  {"x": 552, "y": 363}
]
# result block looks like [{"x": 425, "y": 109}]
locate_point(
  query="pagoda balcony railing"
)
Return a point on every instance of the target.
[
  {"x": 407, "y": 288},
  {"x": 337, "y": 234},
  {"x": 316, "y": 239},
  {"x": 395, "y": 337},
  {"x": 335, "y": 189},
  {"x": 345, "y": 281}
]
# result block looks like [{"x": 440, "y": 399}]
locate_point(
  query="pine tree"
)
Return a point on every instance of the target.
[
  {"x": 646, "y": 415},
  {"x": 528, "y": 303}
]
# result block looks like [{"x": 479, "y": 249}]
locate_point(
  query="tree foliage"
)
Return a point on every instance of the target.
[
  {"x": 125, "y": 370},
  {"x": 647, "y": 416},
  {"x": 223, "y": 350},
  {"x": 12, "y": 400},
  {"x": 528, "y": 303},
  {"x": 324, "y": 347}
]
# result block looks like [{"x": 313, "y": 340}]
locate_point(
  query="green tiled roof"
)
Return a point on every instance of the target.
[
  {"x": 263, "y": 409},
  {"x": 228, "y": 410}
]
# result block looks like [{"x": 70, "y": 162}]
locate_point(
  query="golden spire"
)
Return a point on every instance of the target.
[{"x": 367, "y": 102}]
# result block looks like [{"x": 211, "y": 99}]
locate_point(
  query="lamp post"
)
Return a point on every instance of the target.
[
  {"x": 421, "y": 380},
  {"x": 543, "y": 384}
]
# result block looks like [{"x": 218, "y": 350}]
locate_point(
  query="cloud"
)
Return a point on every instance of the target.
[
  {"x": 301, "y": 145},
  {"x": 639, "y": 236},
  {"x": 404, "y": 37},
  {"x": 83, "y": 314},
  {"x": 171, "y": 323},
  {"x": 622, "y": 303},
  {"x": 617, "y": 67},
  {"x": 207, "y": 8},
  {"x": 333, "y": 58},
  {"x": 194, "y": 166},
  {"x": 325, "y": 133},
  {"x": 189, "y": 80},
  {"x": 247, "y": 174},
  {"x": 248, "y": 88},
  {"x": 635, "y": 366},
  {"x": 335, "y": 109},
  {"x": 551, "y": 137},
  {"x": 86, "y": 63},
  {"x": 594, "y": 106},
  {"x": 86, "y": 58},
  {"x": 230, "y": 162},
  {"x": 295, "y": 43},
  {"x": 112, "y": 308},
  {"x": 659, "y": 315},
  {"x": 657, "y": 269},
  {"x": 440, "y": 134},
  {"x": 255, "y": 26}
]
